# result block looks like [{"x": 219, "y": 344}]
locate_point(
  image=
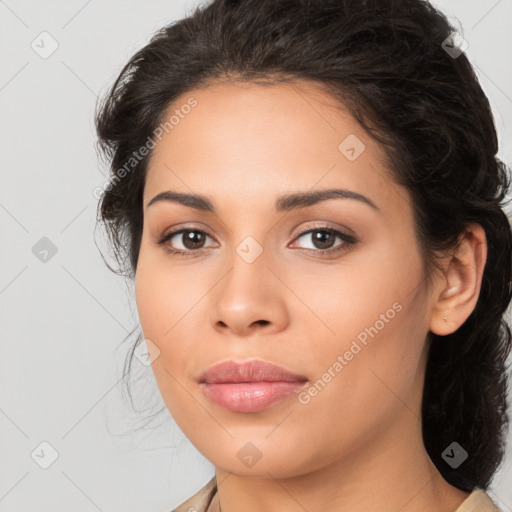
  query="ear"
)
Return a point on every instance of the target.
[{"x": 457, "y": 291}]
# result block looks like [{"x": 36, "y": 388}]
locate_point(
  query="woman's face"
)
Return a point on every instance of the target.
[{"x": 348, "y": 311}]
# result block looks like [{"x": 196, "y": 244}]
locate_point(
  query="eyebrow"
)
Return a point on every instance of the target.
[{"x": 282, "y": 204}]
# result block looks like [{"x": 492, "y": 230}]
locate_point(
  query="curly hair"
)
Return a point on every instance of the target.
[{"x": 387, "y": 62}]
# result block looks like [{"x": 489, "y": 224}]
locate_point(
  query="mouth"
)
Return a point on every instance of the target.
[{"x": 249, "y": 387}]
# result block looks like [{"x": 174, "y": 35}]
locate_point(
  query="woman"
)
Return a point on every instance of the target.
[{"x": 307, "y": 196}]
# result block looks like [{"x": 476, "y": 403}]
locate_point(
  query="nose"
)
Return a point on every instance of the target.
[{"x": 249, "y": 299}]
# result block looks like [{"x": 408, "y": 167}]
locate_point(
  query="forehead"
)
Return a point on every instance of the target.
[{"x": 248, "y": 140}]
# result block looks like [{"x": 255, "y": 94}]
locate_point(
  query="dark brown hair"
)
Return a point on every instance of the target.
[{"x": 386, "y": 62}]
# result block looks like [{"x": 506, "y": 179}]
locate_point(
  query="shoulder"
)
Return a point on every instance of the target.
[
  {"x": 200, "y": 501},
  {"x": 478, "y": 501}
]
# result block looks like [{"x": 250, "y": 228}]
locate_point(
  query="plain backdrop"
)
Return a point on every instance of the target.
[{"x": 64, "y": 314}]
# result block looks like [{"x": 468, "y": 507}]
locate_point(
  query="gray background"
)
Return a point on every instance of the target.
[{"x": 64, "y": 320}]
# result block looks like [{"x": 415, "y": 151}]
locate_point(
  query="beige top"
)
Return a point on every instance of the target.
[{"x": 477, "y": 501}]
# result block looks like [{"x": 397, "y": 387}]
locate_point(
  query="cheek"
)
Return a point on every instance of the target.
[
  {"x": 365, "y": 291},
  {"x": 161, "y": 303},
  {"x": 374, "y": 308},
  {"x": 367, "y": 375},
  {"x": 163, "y": 293},
  {"x": 171, "y": 307}
]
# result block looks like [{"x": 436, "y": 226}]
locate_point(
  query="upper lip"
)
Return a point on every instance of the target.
[{"x": 248, "y": 371}]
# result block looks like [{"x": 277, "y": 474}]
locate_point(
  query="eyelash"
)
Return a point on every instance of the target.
[{"x": 349, "y": 241}]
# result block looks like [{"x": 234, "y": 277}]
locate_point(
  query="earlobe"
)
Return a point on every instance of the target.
[{"x": 458, "y": 288}]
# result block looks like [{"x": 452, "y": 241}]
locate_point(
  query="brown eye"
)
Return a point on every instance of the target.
[
  {"x": 323, "y": 239},
  {"x": 193, "y": 239},
  {"x": 184, "y": 240}
]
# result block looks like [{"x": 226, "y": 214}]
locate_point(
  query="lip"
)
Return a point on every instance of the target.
[
  {"x": 248, "y": 371},
  {"x": 249, "y": 386}
]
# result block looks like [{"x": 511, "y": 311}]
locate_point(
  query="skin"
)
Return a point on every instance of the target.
[{"x": 357, "y": 444}]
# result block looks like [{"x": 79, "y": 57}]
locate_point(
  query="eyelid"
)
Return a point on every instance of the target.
[
  {"x": 184, "y": 226},
  {"x": 318, "y": 225},
  {"x": 325, "y": 224}
]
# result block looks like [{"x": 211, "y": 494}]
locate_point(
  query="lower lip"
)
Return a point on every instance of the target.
[{"x": 249, "y": 396}]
